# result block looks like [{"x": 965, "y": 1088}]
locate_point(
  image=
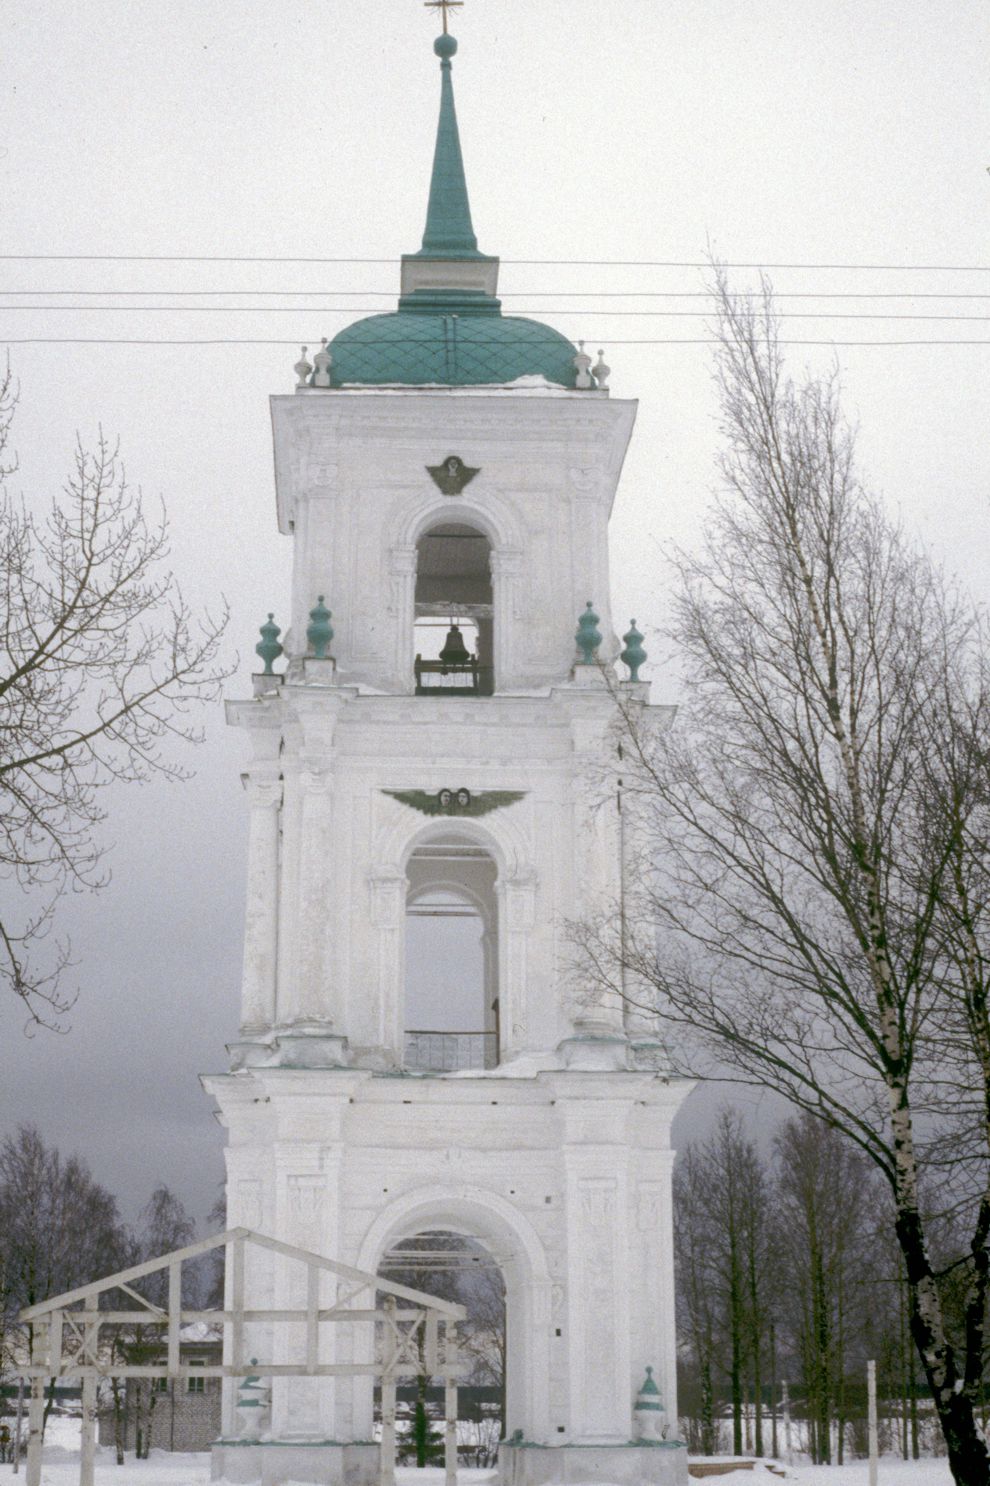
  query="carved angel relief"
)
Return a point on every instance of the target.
[
  {"x": 455, "y": 801},
  {"x": 452, "y": 475}
]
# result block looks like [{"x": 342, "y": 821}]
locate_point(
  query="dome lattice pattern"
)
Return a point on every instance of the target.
[{"x": 451, "y": 350}]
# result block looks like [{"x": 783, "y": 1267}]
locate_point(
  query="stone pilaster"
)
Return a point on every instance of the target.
[
  {"x": 401, "y": 607},
  {"x": 517, "y": 910},
  {"x": 506, "y": 566},
  {"x": 387, "y": 889},
  {"x": 258, "y": 983},
  {"x": 315, "y": 999},
  {"x": 598, "y": 1273}
]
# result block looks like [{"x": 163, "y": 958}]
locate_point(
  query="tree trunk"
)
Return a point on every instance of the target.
[
  {"x": 152, "y": 1400},
  {"x": 840, "y": 1370},
  {"x": 735, "y": 1329},
  {"x": 49, "y": 1405},
  {"x": 821, "y": 1400},
  {"x": 904, "y": 1353},
  {"x": 138, "y": 1418},
  {"x": 118, "y": 1421},
  {"x": 757, "y": 1398},
  {"x": 954, "y": 1403},
  {"x": 707, "y": 1408},
  {"x": 773, "y": 1392}
]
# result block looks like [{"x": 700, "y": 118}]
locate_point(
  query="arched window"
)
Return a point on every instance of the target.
[
  {"x": 453, "y": 621},
  {"x": 451, "y": 1016}
]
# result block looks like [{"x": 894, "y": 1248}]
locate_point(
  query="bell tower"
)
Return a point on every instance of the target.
[{"x": 433, "y": 795}]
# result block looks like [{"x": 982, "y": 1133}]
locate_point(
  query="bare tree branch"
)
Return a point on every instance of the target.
[
  {"x": 102, "y": 663},
  {"x": 815, "y": 829}
]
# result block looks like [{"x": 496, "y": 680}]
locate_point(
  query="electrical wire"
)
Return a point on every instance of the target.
[
  {"x": 60, "y": 340},
  {"x": 513, "y": 294},
  {"x": 267, "y": 309},
  {"x": 527, "y": 262}
]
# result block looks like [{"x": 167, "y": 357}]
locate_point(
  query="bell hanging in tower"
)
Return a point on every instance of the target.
[{"x": 454, "y": 652}]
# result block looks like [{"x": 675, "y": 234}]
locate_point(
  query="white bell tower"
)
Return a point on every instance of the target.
[{"x": 432, "y": 798}]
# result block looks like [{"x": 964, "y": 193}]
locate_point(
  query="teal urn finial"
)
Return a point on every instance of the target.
[
  {"x": 588, "y": 636},
  {"x": 319, "y": 631},
  {"x": 634, "y": 655},
  {"x": 268, "y": 647},
  {"x": 648, "y": 1412}
]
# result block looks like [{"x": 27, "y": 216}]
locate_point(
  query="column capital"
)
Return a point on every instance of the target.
[
  {"x": 506, "y": 561},
  {"x": 264, "y": 791},
  {"x": 518, "y": 894},
  {"x": 402, "y": 560},
  {"x": 315, "y": 778},
  {"x": 387, "y": 886}
]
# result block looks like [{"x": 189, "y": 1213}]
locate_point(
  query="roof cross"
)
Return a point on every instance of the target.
[{"x": 443, "y": 6}]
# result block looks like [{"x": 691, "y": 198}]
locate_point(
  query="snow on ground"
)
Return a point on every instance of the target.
[
  {"x": 61, "y": 1468},
  {"x": 892, "y": 1472}
]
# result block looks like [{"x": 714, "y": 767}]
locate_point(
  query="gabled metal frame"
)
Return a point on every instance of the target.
[{"x": 66, "y": 1338}]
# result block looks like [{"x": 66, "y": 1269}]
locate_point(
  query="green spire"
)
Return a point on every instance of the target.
[{"x": 449, "y": 233}]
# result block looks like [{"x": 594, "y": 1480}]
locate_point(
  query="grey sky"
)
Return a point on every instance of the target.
[{"x": 782, "y": 131}]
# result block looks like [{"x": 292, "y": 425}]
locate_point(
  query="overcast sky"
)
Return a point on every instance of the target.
[{"x": 780, "y": 132}]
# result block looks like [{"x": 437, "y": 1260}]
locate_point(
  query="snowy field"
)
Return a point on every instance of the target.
[{"x": 61, "y": 1468}]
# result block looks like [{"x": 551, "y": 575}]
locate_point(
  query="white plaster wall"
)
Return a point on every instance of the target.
[
  {"x": 351, "y": 471},
  {"x": 565, "y": 1177},
  {"x": 327, "y": 909}
]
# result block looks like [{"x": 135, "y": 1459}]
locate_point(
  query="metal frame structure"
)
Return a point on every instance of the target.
[{"x": 68, "y": 1341}]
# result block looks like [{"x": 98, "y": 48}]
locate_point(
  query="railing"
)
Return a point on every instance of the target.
[
  {"x": 450, "y": 1052},
  {"x": 435, "y": 677}
]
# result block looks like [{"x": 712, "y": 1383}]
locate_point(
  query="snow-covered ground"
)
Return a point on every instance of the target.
[
  {"x": 61, "y": 1468},
  {"x": 892, "y": 1472}
]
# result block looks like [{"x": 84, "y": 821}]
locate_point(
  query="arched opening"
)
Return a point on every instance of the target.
[
  {"x": 453, "y": 613},
  {"x": 451, "y": 991},
  {"x": 508, "y": 1236},
  {"x": 458, "y": 1267}
]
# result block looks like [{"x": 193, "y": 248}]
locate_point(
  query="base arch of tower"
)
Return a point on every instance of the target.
[{"x": 516, "y": 1247}]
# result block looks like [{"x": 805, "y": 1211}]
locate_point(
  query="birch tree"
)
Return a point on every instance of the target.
[
  {"x": 818, "y": 825},
  {"x": 101, "y": 664}
]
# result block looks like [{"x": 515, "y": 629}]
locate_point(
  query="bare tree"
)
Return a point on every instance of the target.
[
  {"x": 696, "y": 1241},
  {"x": 164, "y": 1225},
  {"x": 826, "y": 1204},
  {"x": 819, "y": 824},
  {"x": 723, "y": 1244},
  {"x": 58, "y": 1229},
  {"x": 101, "y": 661}
]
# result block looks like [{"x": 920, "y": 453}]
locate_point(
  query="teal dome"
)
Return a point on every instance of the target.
[
  {"x": 448, "y": 329},
  {"x": 456, "y": 350}
]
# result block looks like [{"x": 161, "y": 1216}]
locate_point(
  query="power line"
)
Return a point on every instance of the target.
[
  {"x": 526, "y": 262},
  {"x": 266, "y": 309},
  {"x": 61, "y": 340},
  {"x": 514, "y": 294}
]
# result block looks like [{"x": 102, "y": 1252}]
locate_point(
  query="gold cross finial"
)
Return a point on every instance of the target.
[{"x": 443, "y": 6}]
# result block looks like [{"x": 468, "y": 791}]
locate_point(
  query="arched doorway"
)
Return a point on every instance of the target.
[
  {"x": 453, "y": 624},
  {"x": 451, "y": 987},
  {"x": 457, "y": 1267},
  {"x": 506, "y": 1235}
]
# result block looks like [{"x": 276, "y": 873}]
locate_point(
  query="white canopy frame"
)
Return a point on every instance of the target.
[{"x": 66, "y": 1339}]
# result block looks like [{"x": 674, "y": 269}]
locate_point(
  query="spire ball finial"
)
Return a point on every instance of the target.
[{"x": 445, "y": 46}]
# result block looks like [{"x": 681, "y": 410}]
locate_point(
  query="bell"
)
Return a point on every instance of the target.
[{"x": 454, "y": 652}]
